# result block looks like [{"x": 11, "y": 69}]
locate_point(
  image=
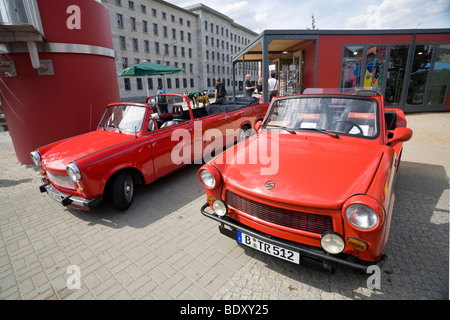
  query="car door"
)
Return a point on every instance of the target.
[{"x": 172, "y": 147}]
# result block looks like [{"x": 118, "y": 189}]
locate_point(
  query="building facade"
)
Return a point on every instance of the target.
[
  {"x": 410, "y": 67},
  {"x": 197, "y": 39}
]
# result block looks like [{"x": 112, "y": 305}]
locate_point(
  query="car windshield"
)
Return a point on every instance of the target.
[
  {"x": 334, "y": 115},
  {"x": 127, "y": 118}
]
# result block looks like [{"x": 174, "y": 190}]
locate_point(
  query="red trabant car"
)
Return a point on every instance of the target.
[
  {"x": 323, "y": 187},
  {"x": 138, "y": 143}
]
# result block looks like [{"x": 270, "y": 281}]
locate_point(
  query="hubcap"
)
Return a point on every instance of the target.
[{"x": 128, "y": 188}]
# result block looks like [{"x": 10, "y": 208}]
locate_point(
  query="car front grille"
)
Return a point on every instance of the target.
[
  {"x": 61, "y": 180},
  {"x": 292, "y": 219}
]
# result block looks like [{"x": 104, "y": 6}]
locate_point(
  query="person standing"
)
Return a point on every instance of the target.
[
  {"x": 220, "y": 92},
  {"x": 249, "y": 89},
  {"x": 272, "y": 86},
  {"x": 162, "y": 101}
]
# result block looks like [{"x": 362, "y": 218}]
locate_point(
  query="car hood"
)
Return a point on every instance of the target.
[
  {"x": 56, "y": 157},
  {"x": 310, "y": 170}
]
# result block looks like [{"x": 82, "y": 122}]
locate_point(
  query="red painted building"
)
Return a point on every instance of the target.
[{"x": 410, "y": 67}]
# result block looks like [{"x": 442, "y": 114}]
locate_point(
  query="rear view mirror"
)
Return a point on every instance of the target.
[
  {"x": 399, "y": 135},
  {"x": 154, "y": 116},
  {"x": 258, "y": 125}
]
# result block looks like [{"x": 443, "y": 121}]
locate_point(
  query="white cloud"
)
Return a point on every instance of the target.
[
  {"x": 260, "y": 15},
  {"x": 395, "y": 14}
]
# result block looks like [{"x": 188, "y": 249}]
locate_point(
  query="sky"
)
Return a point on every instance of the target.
[{"x": 260, "y": 15}]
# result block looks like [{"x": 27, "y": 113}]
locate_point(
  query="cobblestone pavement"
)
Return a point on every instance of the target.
[{"x": 163, "y": 248}]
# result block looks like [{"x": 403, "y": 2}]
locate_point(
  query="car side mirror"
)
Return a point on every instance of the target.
[
  {"x": 258, "y": 125},
  {"x": 399, "y": 135}
]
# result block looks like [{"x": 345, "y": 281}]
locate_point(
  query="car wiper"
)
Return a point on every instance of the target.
[
  {"x": 115, "y": 127},
  {"x": 284, "y": 128},
  {"x": 322, "y": 131}
]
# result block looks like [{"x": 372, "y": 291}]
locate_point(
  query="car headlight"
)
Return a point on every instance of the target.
[
  {"x": 73, "y": 171},
  {"x": 361, "y": 216},
  {"x": 220, "y": 207},
  {"x": 36, "y": 157},
  {"x": 207, "y": 178},
  {"x": 332, "y": 242}
]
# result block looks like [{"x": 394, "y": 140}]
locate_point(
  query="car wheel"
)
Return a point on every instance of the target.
[{"x": 122, "y": 191}]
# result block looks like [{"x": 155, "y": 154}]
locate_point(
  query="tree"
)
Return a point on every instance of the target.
[{"x": 313, "y": 23}]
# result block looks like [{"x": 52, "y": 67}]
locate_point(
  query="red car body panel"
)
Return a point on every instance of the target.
[
  {"x": 318, "y": 176},
  {"x": 101, "y": 154}
]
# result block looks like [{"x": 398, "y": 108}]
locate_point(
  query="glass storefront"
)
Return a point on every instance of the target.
[
  {"x": 396, "y": 74},
  {"x": 426, "y": 72}
]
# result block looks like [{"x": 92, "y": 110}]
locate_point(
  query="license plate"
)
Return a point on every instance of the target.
[
  {"x": 273, "y": 250},
  {"x": 53, "y": 193}
]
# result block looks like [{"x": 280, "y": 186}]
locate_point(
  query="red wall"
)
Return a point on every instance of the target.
[
  {"x": 41, "y": 109},
  {"x": 330, "y": 54}
]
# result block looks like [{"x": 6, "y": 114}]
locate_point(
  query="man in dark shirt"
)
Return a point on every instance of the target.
[{"x": 248, "y": 86}]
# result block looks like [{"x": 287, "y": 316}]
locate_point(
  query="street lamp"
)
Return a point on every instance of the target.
[{"x": 164, "y": 55}]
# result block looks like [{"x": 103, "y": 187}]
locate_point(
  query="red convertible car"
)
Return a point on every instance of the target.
[
  {"x": 137, "y": 143},
  {"x": 330, "y": 196}
]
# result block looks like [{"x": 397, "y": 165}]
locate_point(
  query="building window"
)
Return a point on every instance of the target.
[
  {"x": 157, "y": 47},
  {"x": 169, "y": 83},
  {"x": 144, "y": 26},
  {"x": 143, "y": 9},
  {"x": 165, "y": 32},
  {"x": 182, "y": 35},
  {"x": 127, "y": 83},
  {"x": 135, "y": 44},
  {"x": 139, "y": 83},
  {"x": 351, "y": 64},
  {"x": 131, "y": 5},
  {"x": 146, "y": 46},
  {"x": 124, "y": 63},
  {"x": 177, "y": 83},
  {"x": 419, "y": 74},
  {"x": 163, "y": 15},
  {"x": 189, "y": 37},
  {"x": 395, "y": 74},
  {"x": 133, "y": 23},
  {"x": 440, "y": 75},
  {"x": 154, "y": 13},
  {"x": 122, "y": 42},
  {"x": 150, "y": 83},
  {"x": 155, "y": 29},
  {"x": 119, "y": 21}
]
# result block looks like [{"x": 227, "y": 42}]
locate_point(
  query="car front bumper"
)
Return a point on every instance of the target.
[
  {"x": 306, "y": 252},
  {"x": 67, "y": 199}
]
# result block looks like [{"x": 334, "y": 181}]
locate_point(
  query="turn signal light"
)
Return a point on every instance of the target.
[
  {"x": 210, "y": 200},
  {"x": 357, "y": 244},
  {"x": 80, "y": 190}
]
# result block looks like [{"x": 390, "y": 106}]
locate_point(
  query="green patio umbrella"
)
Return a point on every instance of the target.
[{"x": 146, "y": 68}]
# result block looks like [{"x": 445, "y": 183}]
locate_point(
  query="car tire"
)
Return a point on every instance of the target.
[{"x": 122, "y": 190}]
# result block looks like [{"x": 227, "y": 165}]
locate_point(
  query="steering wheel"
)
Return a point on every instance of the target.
[{"x": 350, "y": 126}]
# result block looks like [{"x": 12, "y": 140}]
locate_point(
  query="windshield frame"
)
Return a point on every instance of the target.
[
  {"x": 106, "y": 124},
  {"x": 267, "y": 119}
]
